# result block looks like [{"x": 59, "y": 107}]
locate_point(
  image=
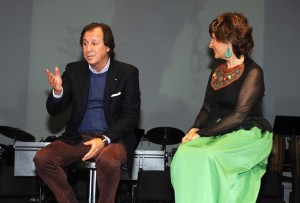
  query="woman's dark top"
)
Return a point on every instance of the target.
[{"x": 233, "y": 100}]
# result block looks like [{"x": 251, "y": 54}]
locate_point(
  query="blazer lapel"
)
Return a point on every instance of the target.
[
  {"x": 84, "y": 83},
  {"x": 111, "y": 83}
]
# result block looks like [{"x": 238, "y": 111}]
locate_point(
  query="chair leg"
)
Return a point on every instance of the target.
[{"x": 92, "y": 186}]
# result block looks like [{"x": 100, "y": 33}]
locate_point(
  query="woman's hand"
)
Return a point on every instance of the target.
[{"x": 192, "y": 134}]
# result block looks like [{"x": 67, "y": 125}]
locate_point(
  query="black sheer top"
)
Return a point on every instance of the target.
[{"x": 235, "y": 105}]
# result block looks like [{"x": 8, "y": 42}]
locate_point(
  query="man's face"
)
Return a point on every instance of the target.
[{"x": 94, "y": 50}]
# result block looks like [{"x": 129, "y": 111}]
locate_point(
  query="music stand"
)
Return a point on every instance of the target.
[{"x": 287, "y": 125}]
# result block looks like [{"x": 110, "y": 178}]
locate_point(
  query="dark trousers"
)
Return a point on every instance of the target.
[{"x": 51, "y": 161}]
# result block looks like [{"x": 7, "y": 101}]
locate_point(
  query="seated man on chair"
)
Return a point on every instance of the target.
[{"x": 104, "y": 95}]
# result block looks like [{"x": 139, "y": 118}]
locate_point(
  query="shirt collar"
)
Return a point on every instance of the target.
[{"x": 103, "y": 69}]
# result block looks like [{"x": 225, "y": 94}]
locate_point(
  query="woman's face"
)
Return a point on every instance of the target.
[{"x": 218, "y": 47}]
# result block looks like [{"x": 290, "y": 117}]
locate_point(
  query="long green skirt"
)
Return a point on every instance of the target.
[{"x": 221, "y": 169}]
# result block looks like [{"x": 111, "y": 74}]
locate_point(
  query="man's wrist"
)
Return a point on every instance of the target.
[
  {"x": 56, "y": 94},
  {"x": 104, "y": 140}
]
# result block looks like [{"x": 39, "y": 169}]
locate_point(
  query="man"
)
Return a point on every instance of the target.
[{"x": 105, "y": 105}]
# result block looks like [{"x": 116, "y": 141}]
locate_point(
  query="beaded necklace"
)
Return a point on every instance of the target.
[{"x": 224, "y": 76}]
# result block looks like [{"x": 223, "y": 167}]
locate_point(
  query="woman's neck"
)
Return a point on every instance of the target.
[{"x": 234, "y": 61}]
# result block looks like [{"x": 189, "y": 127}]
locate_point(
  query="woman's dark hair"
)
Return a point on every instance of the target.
[
  {"x": 233, "y": 28},
  {"x": 108, "y": 37}
]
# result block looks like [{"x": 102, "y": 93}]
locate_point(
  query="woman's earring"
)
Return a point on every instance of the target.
[{"x": 228, "y": 53}]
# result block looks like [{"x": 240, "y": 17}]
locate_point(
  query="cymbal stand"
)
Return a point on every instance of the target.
[
  {"x": 15, "y": 136},
  {"x": 166, "y": 155}
]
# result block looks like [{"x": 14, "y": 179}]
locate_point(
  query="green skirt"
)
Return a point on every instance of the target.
[{"x": 221, "y": 169}]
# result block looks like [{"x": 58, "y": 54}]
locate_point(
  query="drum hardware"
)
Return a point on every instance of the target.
[
  {"x": 16, "y": 134},
  {"x": 165, "y": 136},
  {"x": 2, "y": 150},
  {"x": 143, "y": 139},
  {"x": 140, "y": 136},
  {"x": 8, "y": 151},
  {"x": 7, "y": 154},
  {"x": 50, "y": 138}
]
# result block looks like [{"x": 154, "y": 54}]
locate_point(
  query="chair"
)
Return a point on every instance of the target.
[
  {"x": 92, "y": 191},
  {"x": 271, "y": 189},
  {"x": 90, "y": 166},
  {"x": 92, "y": 188},
  {"x": 283, "y": 159}
]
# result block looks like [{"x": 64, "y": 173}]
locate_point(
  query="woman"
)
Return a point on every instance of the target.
[{"x": 224, "y": 155}]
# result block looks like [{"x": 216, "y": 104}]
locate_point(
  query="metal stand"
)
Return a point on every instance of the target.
[{"x": 91, "y": 166}]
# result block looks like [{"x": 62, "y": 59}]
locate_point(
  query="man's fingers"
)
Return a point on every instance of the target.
[
  {"x": 88, "y": 155},
  {"x": 87, "y": 143},
  {"x": 57, "y": 72}
]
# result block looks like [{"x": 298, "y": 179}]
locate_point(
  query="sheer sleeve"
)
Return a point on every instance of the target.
[
  {"x": 251, "y": 91},
  {"x": 202, "y": 117}
]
